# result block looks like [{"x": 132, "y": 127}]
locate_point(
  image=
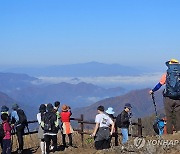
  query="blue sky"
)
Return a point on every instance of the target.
[{"x": 49, "y": 32}]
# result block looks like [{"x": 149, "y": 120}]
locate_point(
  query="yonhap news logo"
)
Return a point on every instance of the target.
[{"x": 141, "y": 142}]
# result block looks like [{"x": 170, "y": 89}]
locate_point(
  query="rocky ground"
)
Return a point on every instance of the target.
[{"x": 168, "y": 144}]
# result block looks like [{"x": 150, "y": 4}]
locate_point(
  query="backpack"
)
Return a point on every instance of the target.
[
  {"x": 158, "y": 126},
  {"x": 2, "y": 133},
  {"x": 49, "y": 121},
  {"x": 22, "y": 117},
  {"x": 173, "y": 81},
  {"x": 118, "y": 121}
]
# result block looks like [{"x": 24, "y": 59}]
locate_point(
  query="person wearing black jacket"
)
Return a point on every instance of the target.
[
  {"x": 125, "y": 122},
  {"x": 50, "y": 126}
]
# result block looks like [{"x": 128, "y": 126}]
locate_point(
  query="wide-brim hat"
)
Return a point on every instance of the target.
[
  {"x": 172, "y": 61},
  {"x": 110, "y": 110},
  {"x": 64, "y": 108}
]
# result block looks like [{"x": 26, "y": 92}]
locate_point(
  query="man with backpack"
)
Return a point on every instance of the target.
[
  {"x": 171, "y": 94},
  {"x": 50, "y": 125},
  {"x": 102, "y": 133},
  {"x": 123, "y": 121},
  {"x": 19, "y": 120}
]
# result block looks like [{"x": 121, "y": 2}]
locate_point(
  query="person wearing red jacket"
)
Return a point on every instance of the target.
[
  {"x": 66, "y": 126},
  {"x": 7, "y": 131}
]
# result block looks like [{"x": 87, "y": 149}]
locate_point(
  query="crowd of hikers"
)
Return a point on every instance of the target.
[
  {"x": 48, "y": 118},
  {"x": 51, "y": 119}
]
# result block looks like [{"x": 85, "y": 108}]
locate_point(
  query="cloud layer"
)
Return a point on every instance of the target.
[{"x": 144, "y": 80}]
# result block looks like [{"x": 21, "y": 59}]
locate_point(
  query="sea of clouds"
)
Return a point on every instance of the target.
[{"x": 130, "y": 82}]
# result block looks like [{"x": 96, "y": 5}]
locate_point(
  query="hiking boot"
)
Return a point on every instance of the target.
[{"x": 51, "y": 147}]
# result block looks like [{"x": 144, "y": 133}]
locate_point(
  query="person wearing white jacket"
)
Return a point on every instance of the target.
[{"x": 42, "y": 110}]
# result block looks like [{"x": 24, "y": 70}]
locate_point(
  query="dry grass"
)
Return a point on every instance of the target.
[{"x": 32, "y": 142}]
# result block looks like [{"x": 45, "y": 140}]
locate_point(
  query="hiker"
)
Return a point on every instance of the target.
[
  {"x": 66, "y": 125},
  {"x": 4, "y": 109},
  {"x": 50, "y": 126},
  {"x": 102, "y": 132},
  {"x": 171, "y": 94},
  {"x": 6, "y": 141},
  {"x": 42, "y": 111},
  {"x": 161, "y": 124},
  {"x": 110, "y": 113},
  {"x": 124, "y": 122},
  {"x": 19, "y": 121}
]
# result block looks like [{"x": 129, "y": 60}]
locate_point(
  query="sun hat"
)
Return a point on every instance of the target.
[
  {"x": 64, "y": 108},
  {"x": 128, "y": 105},
  {"x": 110, "y": 110},
  {"x": 172, "y": 61}
]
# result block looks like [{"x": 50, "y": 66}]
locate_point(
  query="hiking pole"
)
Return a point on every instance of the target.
[
  {"x": 153, "y": 98},
  {"x": 131, "y": 126}
]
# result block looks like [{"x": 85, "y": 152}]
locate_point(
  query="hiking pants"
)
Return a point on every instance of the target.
[
  {"x": 48, "y": 139},
  {"x": 172, "y": 109},
  {"x": 6, "y": 146},
  {"x": 102, "y": 138},
  {"x": 103, "y": 144},
  {"x": 124, "y": 132},
  {"x": 64, "y": 139},
  {"x": 20, "y": 133}
]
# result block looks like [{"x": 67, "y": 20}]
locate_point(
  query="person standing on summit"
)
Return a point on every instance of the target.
[{"x": 171, "y": 94}]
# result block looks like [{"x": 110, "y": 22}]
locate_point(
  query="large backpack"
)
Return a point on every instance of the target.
[
  {"x": 2, "y": 134},
  {"x": 22, "y": 117},
  {"x": 118, "y": 121},
  {"x": 173, "y": 81},
  {"x": 49, "y": 121}
]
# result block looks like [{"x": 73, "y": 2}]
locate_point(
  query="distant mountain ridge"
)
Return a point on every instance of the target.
[
  {"x": 14, "y": 81},
  {"x": 139, "y": 99},
  {"x": 29, "y": 90},
  {"x": 76, "y": 95},
  {"x": 89, "y": 69},
  {"x": 8, "y": 101}
]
